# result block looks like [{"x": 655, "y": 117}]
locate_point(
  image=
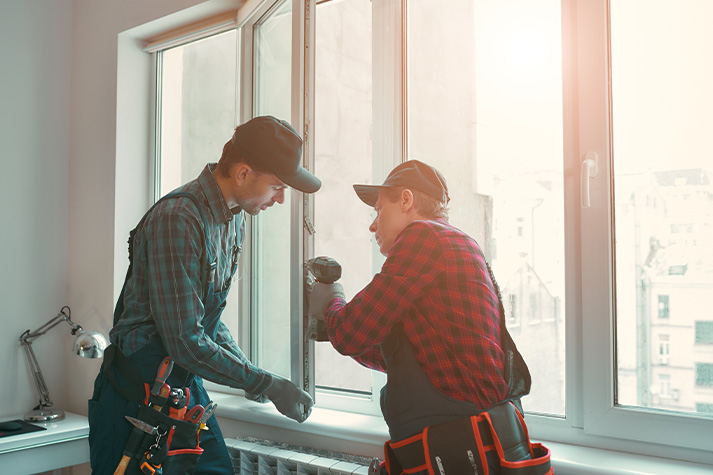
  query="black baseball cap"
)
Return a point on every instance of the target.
[
  {"x": 273, "y": 145},
  {"x": 412, "y": 174}
]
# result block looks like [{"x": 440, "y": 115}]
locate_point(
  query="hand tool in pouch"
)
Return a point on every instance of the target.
[
  {"x": 207, "y": 413},
  {"x": 160, "y": 390},
  {"x": 178, "y": 398},
  {"x": 194, "y": 414},
  {"x": 135, "y": 439}
]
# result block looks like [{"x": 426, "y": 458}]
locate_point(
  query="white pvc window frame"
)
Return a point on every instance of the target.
[{"x": 592, "y": 418}]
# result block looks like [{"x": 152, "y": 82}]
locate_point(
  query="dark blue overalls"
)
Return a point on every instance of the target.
[{"x": 108, "y": 428}]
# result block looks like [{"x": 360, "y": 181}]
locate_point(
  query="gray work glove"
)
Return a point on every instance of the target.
[
  {"x": 289, "y": 399},
  {"x": 261, "y": 398},
  {"x": 321, "y": 295}
]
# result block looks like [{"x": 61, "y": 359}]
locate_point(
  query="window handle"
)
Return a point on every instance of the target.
[{"x": 589, "y": 170}]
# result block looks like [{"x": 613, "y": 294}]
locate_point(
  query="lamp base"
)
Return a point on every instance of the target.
[{"x": 44, "y": 415}]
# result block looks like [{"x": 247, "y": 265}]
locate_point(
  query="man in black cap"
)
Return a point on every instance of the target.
[
  {"x": 183, "y": 256},
  {"x": 431, "y": 320}
]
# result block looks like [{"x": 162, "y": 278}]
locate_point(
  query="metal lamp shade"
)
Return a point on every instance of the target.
[{"x": 89, "y": 344}]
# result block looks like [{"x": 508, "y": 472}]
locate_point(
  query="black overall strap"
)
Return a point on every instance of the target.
[
  {"x": 135, "y": 390},
  {"x": 515, "y": 371},
  {"x": 133, "y": 232}
]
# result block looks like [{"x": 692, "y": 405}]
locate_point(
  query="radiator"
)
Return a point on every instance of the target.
[{"x": 253, "y": 456}]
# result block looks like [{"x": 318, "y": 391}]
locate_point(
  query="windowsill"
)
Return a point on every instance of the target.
[
  {"x": 336, "y": 425},
  {"x": 365, "y": 435}
]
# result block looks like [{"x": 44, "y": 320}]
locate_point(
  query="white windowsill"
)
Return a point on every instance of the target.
[
  {"x": 365, "y": 435},
  {"x": 338, "y": 426}
]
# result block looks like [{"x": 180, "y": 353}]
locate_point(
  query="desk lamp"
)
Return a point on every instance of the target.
[{"x": 87, "y": 344}]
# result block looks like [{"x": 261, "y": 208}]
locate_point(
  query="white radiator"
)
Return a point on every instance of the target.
[{"x": 262, "y": 457}]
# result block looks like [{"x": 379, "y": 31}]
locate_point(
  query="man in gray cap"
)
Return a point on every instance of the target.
[
  {"x": 432, "y": 320},
  {"x": 183, "y": 256}
]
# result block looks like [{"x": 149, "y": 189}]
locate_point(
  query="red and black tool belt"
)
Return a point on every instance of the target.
[
  {"x": 493, "y": 442},
  {"x": 165, "y": 437},
  {"x": 174, "y": 449}
]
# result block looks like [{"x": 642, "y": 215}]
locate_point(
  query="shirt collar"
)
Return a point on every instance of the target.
[{"x": 216, "y": 201}]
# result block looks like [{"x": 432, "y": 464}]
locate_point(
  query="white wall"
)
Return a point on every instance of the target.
[
  {"x": 35, "y": 39},
  {"x": 61, "y": 167}
]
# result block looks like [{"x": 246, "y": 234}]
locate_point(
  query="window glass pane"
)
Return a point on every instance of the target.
[
  {"x": 704, "y": 374},
  {"x": 663, "y": 306},
  {"x": 704, "y": 333},
  {"x": 661, "y": 103},
  {"x": 485, "y": 107},
  {"x": 196, "y": 117},
  {"x": 343, "y": 157},
  {"x": 271, "y": 228},
  {"x": 198, "y": 103}
]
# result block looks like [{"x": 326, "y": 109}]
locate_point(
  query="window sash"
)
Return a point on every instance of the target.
[{"x": 601, "y": 415}]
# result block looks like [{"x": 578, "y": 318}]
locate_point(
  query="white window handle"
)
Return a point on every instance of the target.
[{"x": 590, "y": 167}]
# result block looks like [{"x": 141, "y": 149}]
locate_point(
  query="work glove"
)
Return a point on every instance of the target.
[
  {"x": 261, "y": 398},
  {"x": 289, "y": 399},
  {"x": 320, "y": 295}
]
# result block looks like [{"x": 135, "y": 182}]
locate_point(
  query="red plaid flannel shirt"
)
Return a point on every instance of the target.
[{"x": 435, "y": 281}]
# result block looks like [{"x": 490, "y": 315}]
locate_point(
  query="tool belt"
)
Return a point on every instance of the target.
[
  {"x": 165, "y": 437},
  {"x": 172, "y": 448},
  {"x": 492, "y": 442}
]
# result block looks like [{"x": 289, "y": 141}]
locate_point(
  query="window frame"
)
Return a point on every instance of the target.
[
  {"x": 592, "y": 416},
  {"x": 602, "y": 417}
]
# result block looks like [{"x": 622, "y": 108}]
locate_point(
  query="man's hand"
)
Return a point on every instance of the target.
[
  {"x": 289, "y": 399},
  {"x": 321, "y": 295}
]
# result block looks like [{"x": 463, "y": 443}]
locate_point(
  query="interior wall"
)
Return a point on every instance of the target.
[
  {"x": 35, "y": 57},
  {"x": 61, "y": 166}
]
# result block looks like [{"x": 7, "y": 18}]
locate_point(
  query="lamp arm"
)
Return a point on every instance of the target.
[
  {"x": 29, "y": 336},
  {"x": 26, "y": 340},
  {"x": 45, "y": 400}
]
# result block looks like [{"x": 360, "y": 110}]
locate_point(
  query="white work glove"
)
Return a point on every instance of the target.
[
  {"x": 321, "y": 295},
  {"x": 289, "y": 399}
]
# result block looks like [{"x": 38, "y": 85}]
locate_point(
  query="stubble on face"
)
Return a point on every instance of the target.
[{"x": 262, "y": 192}]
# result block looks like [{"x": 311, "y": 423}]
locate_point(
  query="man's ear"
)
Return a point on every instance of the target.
[
  {"x": 240, "y": 173},
  {"x": 406, "y": 200}
]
